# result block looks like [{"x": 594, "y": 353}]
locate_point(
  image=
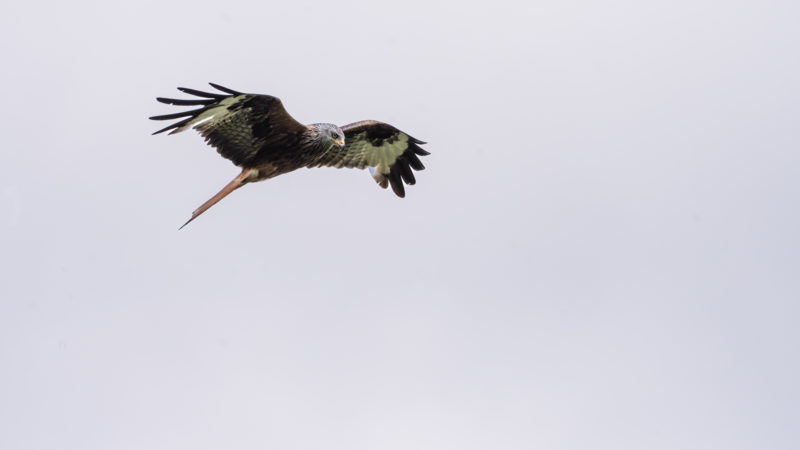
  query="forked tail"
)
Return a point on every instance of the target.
[{"x": 237, "y": 182}]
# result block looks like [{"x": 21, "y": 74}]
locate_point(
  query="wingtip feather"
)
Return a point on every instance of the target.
[
  {"x": 203, "y": 94},
  {"x": 419, "y": 151},
  {"x": 224, "y": 89},
  {"x": 181, "y": 102},
  {"x": 167, "y": 128}
]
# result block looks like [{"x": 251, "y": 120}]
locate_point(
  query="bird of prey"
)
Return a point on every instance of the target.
[{"x": 257, "y": 134}]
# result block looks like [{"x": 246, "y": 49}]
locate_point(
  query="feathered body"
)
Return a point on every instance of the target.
[{"x": 257, "y": 134}]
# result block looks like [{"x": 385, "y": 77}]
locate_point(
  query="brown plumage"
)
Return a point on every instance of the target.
[{"x": 257, "y": 134}]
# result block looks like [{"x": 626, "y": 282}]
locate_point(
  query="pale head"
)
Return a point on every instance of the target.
[{"x": 329, "y": 133}]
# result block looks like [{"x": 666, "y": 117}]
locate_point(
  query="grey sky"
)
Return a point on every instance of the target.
[{"x": 603, "y": 252}]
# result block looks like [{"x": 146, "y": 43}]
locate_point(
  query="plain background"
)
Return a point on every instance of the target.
[{"x": 603, "y": 252}]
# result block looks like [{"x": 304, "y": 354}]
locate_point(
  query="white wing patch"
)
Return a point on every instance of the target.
[
  {"x": 380, "y": 159},
  {"x": 220, "y": 108}
]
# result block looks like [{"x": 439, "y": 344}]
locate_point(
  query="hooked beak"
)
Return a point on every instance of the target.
[{"x": 339, "y": 142}]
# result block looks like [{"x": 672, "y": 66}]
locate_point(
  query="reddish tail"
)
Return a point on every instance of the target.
[{"x": 237, "y": 182}]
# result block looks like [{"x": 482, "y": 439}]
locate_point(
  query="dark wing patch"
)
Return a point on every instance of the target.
[
  {"x": 389, "y": 153},
  {"x": 240, "y": 126}
]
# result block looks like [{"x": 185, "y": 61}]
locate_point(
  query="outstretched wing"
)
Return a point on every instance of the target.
[
  {"x": 388, "y": 152},
  {"x": 240, "y": 126}
]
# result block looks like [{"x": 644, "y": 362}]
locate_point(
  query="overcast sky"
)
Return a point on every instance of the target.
[{"x": 602, "y": 253}]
